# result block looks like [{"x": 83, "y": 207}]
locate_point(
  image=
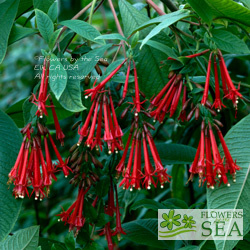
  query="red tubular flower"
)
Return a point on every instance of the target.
[
  {"x": 61, "y": 164},
  {"x": 89, "y": 141},
  {"x": 218, "y": 163},
  {"x": 194, "y": 167},
  {"x": 118, "y": 230},
  {"x": 107, "y": 134},
  {"x": 13, "y": 173},
  {"x": 209, "y": 165},
  {"x": 191, "y": 56},
  {"x": 162, "y": 175},
  {"x": 233, "y": 93},
  {"x": 115, "y": 145},
  {"x": 20, "y": 188},
  {"x": 183, "y": 114},
  {"x": 108, "y": 234},
  {"x": 126, "y": 173},
  {"x": 230, "y": 164},
  {"x": 94, "y": 91},
  {"x": 156, "y": 100},
  {"x": 121, "y": 165},
  {"x": 223, "y": 78},
  {"x": 64, "y": 215},
  {"x": 125, "y": 90},
  {"x": 50, "y": 167},
  {"x": 97, "y": 140},
  {"x": 156, "y": 113},
  {"x": 37, "y": 182},
  {"x": 205, "y": 94},
  {"x": 83, "y": 132},
  {"x": 136, "y": 174},
  {"x": 59, "y": 134},
  {"x": 40, "y": 102},
  {"x": 118, "y": 130},
  {"x": 147, "y": 167},
  {"x": 201, "y": 163},
  {"x": 110, "y": 209},
  {"x": 176, "y": 99},
  {"x": 217, "y": 102}
]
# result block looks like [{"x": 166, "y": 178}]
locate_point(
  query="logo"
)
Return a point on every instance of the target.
[{"x": 200, "y": 224}]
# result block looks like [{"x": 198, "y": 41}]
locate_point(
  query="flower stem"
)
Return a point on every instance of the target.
[{"x": 92, "y": 11}]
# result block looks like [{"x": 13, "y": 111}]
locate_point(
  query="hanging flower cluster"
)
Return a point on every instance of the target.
[
  {"x": 167, "y": 104},
  {"x": 208, "y": 163},
  {"x": 27, "y": 171},
  {"x": 229, "y": 90},
  {"x": 136, "y": 177},
  {"x": 31, "y": 167},
  {"x": 110, "y": 210},
  {"x": 102, "y": 108}
]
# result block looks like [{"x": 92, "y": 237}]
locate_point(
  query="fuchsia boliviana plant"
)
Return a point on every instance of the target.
[{"x": 129, "y": 158}]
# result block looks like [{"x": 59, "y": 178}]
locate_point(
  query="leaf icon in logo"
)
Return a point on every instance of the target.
[
  {"x": 170, "y": 220},
  {"x": 188, "y": 221}
]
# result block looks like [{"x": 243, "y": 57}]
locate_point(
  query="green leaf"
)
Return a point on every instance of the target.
[
  {"x": 83, "y": 29},
  {"x": 135, "y": 39},
  {"x": 163, "y": 48},
  {"x": 228, "y": 9},
  {"x": 144, "y": 232},
  {"x": 25, "y": 239},
  {"x": 169, "y": 20},
  {"x": 131, "y": 17},
  {"x": 8, "y": 12},
  {"x": 10, "y": 143},
  {"x": 57, "y": 76},
  {"x": 246, "y": 3},
  {"x": 175, "y": 203},
  {"x": 202, "y": 9},
  {"x": 147, "y": 203},
  {"x": 53, "y": 39},
  {"x": 53, "y": 12},
  {"x": 177, "y": 181},
  {"x": 71, "y": 97},
  {"x": 228, "y": 42},
  {"x": 44, "y": 25},
  {"x": 102, "y": 186},
  {"x": 24, "y": 6},
  {"x": 43, "y": 5},
  {"x": 46, "y": 243},
  {"x": 87, "y": 62},
  {"x": 70, "y": 241},
  {"x": 17, "y": 33},
  {"x": 235, "y": 197},
  {"x": 113, "y": 36},
  {"x": 175, "y": 153}
]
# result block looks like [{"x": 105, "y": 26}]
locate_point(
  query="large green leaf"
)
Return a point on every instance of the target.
[
  {"x": 71, "y": 97},
  {"x": 87, "y": 62},
  {"x": 83, "y": 29},
  {"x": 164, "y": 22},
  {"x": 25, "y": 239},
  {"x": 210, "y": 9},
  {"x": 44, "y": 24},
  {"x": 131, "y": 17},
  {"x": 57, "y": 76},
  {"x": 43, "y": 5},
  {"x": 228, "y": 42},
  {"x": 24, "y": 6},
  {"x": 236, "y": 196},
  {"x": 17, "y": 33},
  {"x": 148, "y": 204},
  {"x": 10, "y": 142},
  {"x": 144, "y": 232},
  {"x": 8, "y": 10}
]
